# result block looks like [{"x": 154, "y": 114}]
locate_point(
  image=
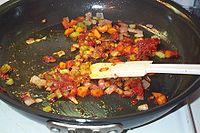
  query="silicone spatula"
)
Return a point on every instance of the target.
[{"x": 139, "y": 69}]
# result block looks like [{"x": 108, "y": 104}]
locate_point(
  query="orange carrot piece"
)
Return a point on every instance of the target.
[{"x": 97, "y": 92}]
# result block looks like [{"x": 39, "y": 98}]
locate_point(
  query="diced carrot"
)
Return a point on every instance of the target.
[
  {"x": 97, "y": 92},
  {"x": 169, "y": 54},
  {"x": 156, "y": 94},
  {"x": 82, "y": 91},
  {"x": 135, "y": 50},
  {"x": 90, "y": 34},
  {"x": 68, "y": 31},
  {"x": 127, "y": 50},
  {"x": 73, "y": 22},
  {"x": 109, "y": 26},
  {"x": 111, "y": 30},
  {"x": 73, "y": 92},
  {"x": 159, "y": 98},
  {"x": 103, "y": 28},
  {"x": 115, "y": 36},
  {"x": 96, "y": 33},
  {"x": 69, "y": 63},
  {"x": 119, "y": 47},
  {"x": 65, "y": 22},
  {"x": 80, "y": 18},
  {"x": 79, "y": 29},
  {"x": 62, "y": 65}
]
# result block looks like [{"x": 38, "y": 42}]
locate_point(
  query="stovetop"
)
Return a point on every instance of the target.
[{"x": 183, "y": 120}]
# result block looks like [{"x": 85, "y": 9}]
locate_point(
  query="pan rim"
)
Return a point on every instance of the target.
[{"x": 37, "y": 112}]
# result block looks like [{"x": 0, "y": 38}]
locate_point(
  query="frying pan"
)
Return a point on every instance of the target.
[{"x": 20, "y": 20}]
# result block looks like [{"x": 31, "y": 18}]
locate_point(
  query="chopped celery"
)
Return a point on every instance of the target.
[
  {"x": 114, "y": 53},
  {"x": 132, "y": 57},
  {"x": 84, "y": 66},
  {"x": 160, "y": 54},
  {"x": 81, "y": 24},
  {"x": 74, "y": 35},
  {"x": 5, "y": 68},
  {"x": 84, "y": 48},
  {"x": 132, "y": 26},
  {"x": 58, "y": 93},
  {"x": 51, "y": 96},
  {"x": 47, "y": 108},
  {"x": 10, "y": 81},
  {"x": 87, "y": 22},
  {"x": 64, "y": 71},
  {"x": 77, "y": 57}
]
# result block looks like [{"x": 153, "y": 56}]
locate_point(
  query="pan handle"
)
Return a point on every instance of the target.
[{"x": 60, "y": 127}]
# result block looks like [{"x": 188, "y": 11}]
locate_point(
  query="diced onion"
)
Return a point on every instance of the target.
[
  {"x": 145, "y": 84},
  {"x": 143, "y": 107}
]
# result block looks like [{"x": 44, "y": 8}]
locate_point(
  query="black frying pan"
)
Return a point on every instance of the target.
[{"x": 20, "y": 20}]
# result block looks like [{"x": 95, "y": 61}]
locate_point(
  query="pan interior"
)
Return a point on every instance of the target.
[{"x": 22, "y": 21}]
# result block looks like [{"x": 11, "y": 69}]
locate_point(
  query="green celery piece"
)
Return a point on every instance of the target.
[
  {"x": 74, "y": 35},
  {"x": 47, "y": 108},
  {"x": 10, "y": 81},
  {"x": 64, "y": 71},
  {"x": 81, "y": 24},
  {"x": 5, "y": 68}
]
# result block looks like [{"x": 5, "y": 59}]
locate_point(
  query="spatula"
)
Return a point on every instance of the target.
[{"x": 139, "y": 69}]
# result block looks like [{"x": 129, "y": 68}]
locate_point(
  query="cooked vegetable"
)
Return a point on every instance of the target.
[
  {"x": 5, "y": 72},
  {"x": 97, "y": 92},
  {"x": 2, "y": 89},
  {"x": 82, "y": 91},
  {"x": 38, "y": 82},
  {"x": 5, "y": 69},
  {"x": 10, "y": 81},
  {"x": 47, "y": 108},
  {"x": 160, "y": 54},
  {"x": 159, "y": 98},
  {"x": 27, "y": 99},
  {"x": 32, "y": 40},
  {"x": 48, "y": 59},
  {"x": 73, "y": 99},
  {"x": 38, "y": 100},
  {"x": 143, "y": 107},
  {"x": 59, "y": 53},
  {"x": 74, "y": 35},
  {"x": 98, "y": 38}
]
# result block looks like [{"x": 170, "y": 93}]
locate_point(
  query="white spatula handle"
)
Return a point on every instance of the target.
[{"x": 174, "y": 68}]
